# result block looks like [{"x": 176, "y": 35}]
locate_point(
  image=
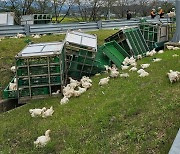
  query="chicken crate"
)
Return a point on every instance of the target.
[
  {"x": 40, "y": 69},
  {"x": 10, "y": 94},
  {"x": 81, "y": 49},
  {"x": 154, "y": 33},
  {"x": 114, "y": 52},
  {"x": 131, "y": 40}
]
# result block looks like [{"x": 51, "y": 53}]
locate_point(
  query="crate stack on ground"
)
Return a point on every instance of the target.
[
  {"x": 81, "y": 50},
  {"x": 131, "y": 40},
  {"x": 155, "y": 34},
  {"x": 39, "y": 71}
]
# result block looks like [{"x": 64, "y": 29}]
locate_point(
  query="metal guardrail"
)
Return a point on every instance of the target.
[{"x": 60, "y": 28}]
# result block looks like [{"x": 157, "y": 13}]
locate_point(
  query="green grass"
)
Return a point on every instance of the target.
[
  {"x": 10, "y": 47},
  {"x": 67, "y": 19},
  {"x": 134, "y": 115}
]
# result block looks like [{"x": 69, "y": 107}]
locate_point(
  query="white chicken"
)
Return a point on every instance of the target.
[
  {"x": 37, "y": 36},
  {"x": 86, "y": 84},
  {"x": 81, "y": 90},
  {"x": 133, "y": 69},
  {"x": 144, "y": 74},
  {"x": 48, "y": 112},
  {"x": 176, "y": 48},
  {"x": 124, "y": 67},
  {"x": 156, "y": 59},
  {"x": 114, "y": 74},
  {"x": 174, "y": 76},
  {"x": 140, "y": 71},
  {"x": 161, "y": 51},
  {"x": 143, "y": 66},
  {"x": 43, "y": 140},
  {"x": 13, "y": 69},
  {"x": 64, "y": 100},
  {"x": 12, "y": 86},
  {"x": 139, "y": 56},
  {"x": 104, "y": 81},
  {"x": 169, "y": 47},
  {"x": 36, "y": 112},
  {"x": 124, "y": 75}
]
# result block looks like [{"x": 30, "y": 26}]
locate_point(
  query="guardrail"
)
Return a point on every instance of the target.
[{"x": 60, "y": 28}]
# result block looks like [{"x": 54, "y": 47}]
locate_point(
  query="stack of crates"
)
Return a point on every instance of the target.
[
  {"x": 42, "y": 18},
  {"x": 39, "y": 71},
  {"x": 155, "y": 34},
  {"x": 81, "y": 50},
  {"x": 131, "y": 40}
]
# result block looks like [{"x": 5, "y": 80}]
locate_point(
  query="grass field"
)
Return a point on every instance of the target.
[
  {"x": 133, "y": 115},
  {"x": 10, "y": 47}
]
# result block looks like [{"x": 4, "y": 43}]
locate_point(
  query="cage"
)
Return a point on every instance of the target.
[
  {"x": 154, "y": 34},
  {"x": 131, "y": 40},
  {"x": 40, "y": 70},
  {"x": 81, "y": 50}
]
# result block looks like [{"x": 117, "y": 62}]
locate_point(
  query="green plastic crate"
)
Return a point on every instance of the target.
[
  {"x": 35, "y": 91},
  {"x": 131, "y": 40},
  {"x": 38, "y": 70},
  {"x": 154, "y": 33},
  {"x": 115, "y": 52},
  {"x": 102, "y": 58},
  {"x": 37, "y": 60},
  {"x": 9, "y": 94}
]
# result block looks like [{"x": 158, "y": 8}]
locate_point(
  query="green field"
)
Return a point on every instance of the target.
[{"x": 133, "y": 115}]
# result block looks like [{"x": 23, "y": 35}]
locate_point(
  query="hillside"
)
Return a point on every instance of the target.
[{"x": 133, "y": 115}]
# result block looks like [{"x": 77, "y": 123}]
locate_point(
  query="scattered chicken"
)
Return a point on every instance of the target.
[
  {"x": 174, "y": 76},
  {"x": 36, "y": 112},
  {"x": 48, "y": 112},
  {"x": 57, "y": 92},
  {"x": 140, "y": 71},
  {"x": 170, "y": 47},
  {"x": 86, "y": 85},
  {"x": 68, "y": 91},
  {"x": 156, "y": 59},
  {"x": 104, "y": 81},
  {"x": 43, "y": 140},
  {"x": 126, "y": 61},
  {"x": 114, "y": 73},
  {"x": 13, "y": 69},
  {"x": 86, "y": 79},
  {"x": 145, "y": 66},
  {"x": 124, "y": 75},
  {"x": 133, "y": 69},
  {"x": 139, "y": 56},
  {"x": 151, "y": 53},
  {"x": 98, "y": 74},
  {"x": 107, "y": 68},
  {"x": 124, "y": 67},
  {"x": 144, "y": 74},
  {"x": 76, "y": 93},
  {"x": 176, "y": 48},
  {"x": 81, "y": 90},
  {"x": 20, "y": 35},
  {"x": 36, "y": 36},
  {"x": 12, "y": 86},
  {"x": 161, "y": 51},
  {"x": 64, "y": 100}
]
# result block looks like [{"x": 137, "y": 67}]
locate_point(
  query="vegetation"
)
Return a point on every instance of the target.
[
  {"x": 133, "y": 115},
  {"x": 10, "y": 47}
]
